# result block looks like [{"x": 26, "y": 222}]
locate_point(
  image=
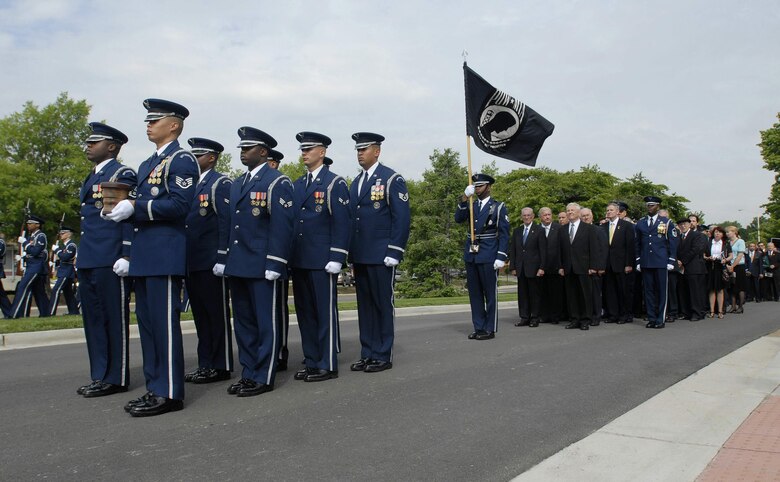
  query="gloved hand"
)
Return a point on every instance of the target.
[
  {"x": 21, "y": 239},
  {"x": 639, "y": 268},
  {"x": 390, "y": 262},
  {"x": 218, "y": 269},
  {"x": 333, "y": 267},
  {"x": 272, "y": 275},
  {"x": 123, "y": 210},
  {"x": 18, "y": 258},
  {"x": 469, "y": 191},
  {"x": 122, "y": 267},
  {"x": 669, "y": 267},
  {"x": 55, "y": 247},
  {"x": 498, "y": 264}
]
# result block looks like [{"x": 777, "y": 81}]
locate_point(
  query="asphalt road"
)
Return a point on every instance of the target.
[{"x": 450, "y": 409}]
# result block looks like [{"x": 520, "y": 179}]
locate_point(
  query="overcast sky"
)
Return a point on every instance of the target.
[{"x": 675, "y": 89}]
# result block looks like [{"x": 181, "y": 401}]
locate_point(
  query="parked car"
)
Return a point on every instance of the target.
[{"x": 345, "y": 278}]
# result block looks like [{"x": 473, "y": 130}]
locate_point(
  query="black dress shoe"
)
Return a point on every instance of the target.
[
  {"x": 572, "y": 325},
  {"x": 522, "y": 322},
  {"x": 300, "y": 374},
  {"x": 533, "y": 323},
  {"x": 103, "y": 389},
  {"x": 317, "y": 375},
  {"x": 80, "y": 390},
  {"x": 696, "y": 318},
  {"x": 472, "y": 335},
  {"x": 137, "y": 401},
  {"x": 670, "y": 319},
  {"x": 659, "y": 326},
  {"x": 156, "y": 406},
  {"x": 380, "y": 366},
  {"x": 360, "y": 365},
  {"x": 595, "y": 323},
  {"x": 211, "y": 375},
  {"x": 252, "y": 388},
  {"x": 584, "y": 326},
  {"x": 650, "y": 324},
  {"x": 189, "y": 377},
  {"x": 480, "y": 336},
  {"x": 233, "y": 388},
  {"x": 281, "y": 365}
]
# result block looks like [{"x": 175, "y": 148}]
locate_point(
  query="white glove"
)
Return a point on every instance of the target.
[
  {"x": 272, "y": 275},
  {"x": 21, "y": 239},
  {"x": 55, "y": 247},
  {"x": 218, "y": 269},
  {"x": 639, "y": 268},
  {"x": 18, "y": 258},
  {"x": 122, "y": 267},
  {"x": 333, "y": 267},
  {"x": 669, "y": 267},
  {"x": 469, "y": 190},
  {"x": 123, "y": 210},
  {"x": 390, "y": 262},
  {"x": 498, "y": 264}
]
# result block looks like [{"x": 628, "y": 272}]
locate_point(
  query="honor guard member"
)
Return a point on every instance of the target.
[
  {"x": 274, "y": 160},
  {"x": 261, "y": 206},
  {"x": 104, "y": 288},
  {"x": 66, "y": 272},
  {"x": 207, "y": 230},
  {"x": 36, "y": 272},
  {"x": 486, "y": 256},
  {"x": 166, "y": 189},
  {"x": 323, "y": 222},
  {"x": 5, "y": 303},
  {"x": 656, "y": 245},
  {"x": 380, "y": 209}
]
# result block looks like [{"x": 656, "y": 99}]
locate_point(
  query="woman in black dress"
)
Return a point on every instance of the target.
[{"x": 717, "y": 257}]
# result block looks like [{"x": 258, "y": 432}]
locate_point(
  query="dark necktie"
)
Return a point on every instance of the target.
[
  {"x": 308, "y": 181},
  {"x": 525, "y": 235},
  {"x": 571, "y": 232}
]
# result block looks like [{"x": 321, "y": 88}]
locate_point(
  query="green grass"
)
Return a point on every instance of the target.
[{"x": 74, "y": 321}]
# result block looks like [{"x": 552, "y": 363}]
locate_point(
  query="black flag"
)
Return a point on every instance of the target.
[{"x": 502, "y": 125}]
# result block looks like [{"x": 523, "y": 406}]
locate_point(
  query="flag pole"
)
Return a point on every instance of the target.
[{"x": 471, "y": 204}]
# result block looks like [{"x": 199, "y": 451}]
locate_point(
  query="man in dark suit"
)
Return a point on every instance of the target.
[
  {"x": 380, "y": 209},
  {"x": 527, "y": 258},
  {"x": 551, "y": 293},
  {"x": 580, "y": 259},
  {"x": 693, "y": 281},
  {"x": 620, "y": 263},
  {"x": 485, "y": 254},
  {"x": 322, "y": 226},
  {"x": 208, "y": 226},
  {"x": 597, "y": 279},
  {"x": 772, "y": 271},
  {"x": 166, "y": 188},
  {"x": 755, "y": 271},
  {"x": 261, "y": 228}
]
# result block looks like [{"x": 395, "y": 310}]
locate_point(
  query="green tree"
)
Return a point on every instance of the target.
[
  {"x": 770, "y": 152},
  {"x": 435, "y": 241},
  {"x": 293, "y": 169},
  {"x": 225, "y": 166},
  {"x": 42, "y": 159}
]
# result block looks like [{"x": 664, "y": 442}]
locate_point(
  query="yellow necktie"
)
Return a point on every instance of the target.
[{"x": 611, "y": 231}]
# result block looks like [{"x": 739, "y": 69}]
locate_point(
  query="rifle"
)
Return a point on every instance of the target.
[
  {"x": 20, "y": 264},
  {"x": 52, "y": 258}
]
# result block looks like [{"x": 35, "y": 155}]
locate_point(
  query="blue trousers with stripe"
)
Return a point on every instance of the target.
[
  {"x": 210, "y": 303},
  {"x": 376, "y": 310},
  {"x": 63, "y": 286},
  {"x": 482, "y": 280},
  {"x": 255, "y": 314},
  {"x": 654, "y": 281},
  {"x": 157, "y": 307},
  {"x": 318, "y": 317},
  {"x": 32, "y": 285},
  {"x": 106, "y": 314}
]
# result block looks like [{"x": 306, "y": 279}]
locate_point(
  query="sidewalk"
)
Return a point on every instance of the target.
[{"x": 720, "y": 423}]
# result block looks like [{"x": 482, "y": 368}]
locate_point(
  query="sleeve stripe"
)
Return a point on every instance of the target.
[
  {"x": 339, "y": 250},
  {"x": 127, "y": 243},
  {"x": 219, "y": 251},
  {"x": 149, "y": 210},
  {"x": 501, "y": 252},
  {"x": 274, "y": 258},
  {"x": 397, "y": 248}
]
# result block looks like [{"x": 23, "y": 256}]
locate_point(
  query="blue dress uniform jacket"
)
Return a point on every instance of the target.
[
  {"x": 105, "y": 297},
  {"x": 166, "y": 189},
  {"x": 491, "y": 229},
  {"x": 261, "y": 228},
  {"x": 381, "y": 227},
  {"x": 322, "y": 227},
  {"x": 66, "y": 257},
  {"x": 36, "y": 273},
  {"x": 207, "y": 226},
  {"x": 207, "y": 238},
  {"x": 102, "y": 242},
  {"x": 66, "y": 273},
  {"x": 656, "y": 247}
]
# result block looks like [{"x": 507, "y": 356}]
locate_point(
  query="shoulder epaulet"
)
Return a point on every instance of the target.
[{"x": 221, "y": 178}]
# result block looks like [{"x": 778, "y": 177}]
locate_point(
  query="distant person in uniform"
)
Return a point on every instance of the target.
[
  {"x": 65, "y": 257},
  {"x": 158, "y": 258},
  {"x": 656, "y": 248},
  {"x": 381, "y": 213},
  {"x": 208, "y": 225},
  {"x": 5, "y": 303},
  {"x": 323, "y": 224},
  {"x": 261, "y": 227},
  {"x": 484, "y": 255},
  {"x": 36, "y": 272},
  {"x": 104, "y": 288}
]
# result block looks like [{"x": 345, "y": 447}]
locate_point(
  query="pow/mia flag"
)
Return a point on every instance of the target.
[{"x": 502, "y": 125}]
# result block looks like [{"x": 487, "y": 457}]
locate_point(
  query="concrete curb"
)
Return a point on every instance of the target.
[{"x": 12, "y": 341}]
